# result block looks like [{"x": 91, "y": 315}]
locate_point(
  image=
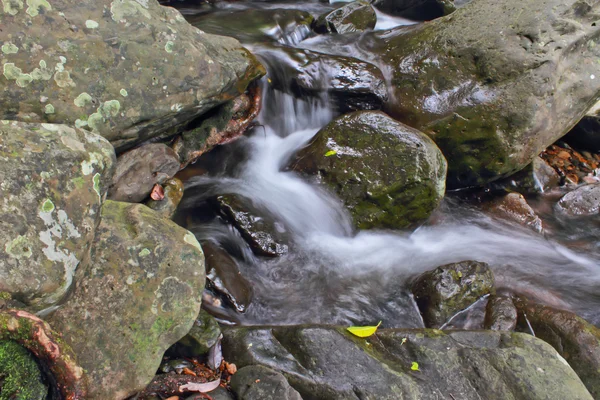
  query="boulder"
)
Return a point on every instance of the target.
[
  {"x": 357, "y": 16},
  {"x": 140, "y": 169},
  {"x": 418, "y": 10},
  {"x": 54, "y": 179},
  {"x": 537, "y": 177},
  {"x": 451, "y": 288},
  {"x": 574, "y": 338},
  {"x": 128, "y": 70},
  {"x": 501, "y": 314},
  {"x": 173, "y": 191},
  {"x": 350, "y": 84},
  {"x": 514, "y": 207},
  {"x": 20, "y": 376},
  {"x": 388, "y": 174},
  {"x": 139, "y": 295},
  {"x": 256, "y": 382},
  {"x": 331, "y": 364},
  {"x": 493, "y": 98},
  {"x": 204, "y": 334},
  {"x": 583, "y": 201}
]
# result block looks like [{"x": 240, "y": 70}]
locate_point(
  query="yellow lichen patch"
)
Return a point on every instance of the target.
[
  {"x": 11, "y": 72},
  {"x": 83, "y": 100},
  {"x": 63, "y": 79},
  {"x": 12, "y": 7},
  {"x": 189, "y": 238},
  {"x": 123, "y": 92},
  {"x": 49, "y": 109},
  {"x": 35, "y": 6},
  {"x": 91, "y": 24},
  {"x": 9, "y": 48},
  {"x": 121, "y": 9},
  {"x": 18, "y": 248},
  {"x": 169, "y": 47}
]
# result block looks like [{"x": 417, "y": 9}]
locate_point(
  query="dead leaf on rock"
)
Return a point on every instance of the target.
[{"x": 158, "y": 193}]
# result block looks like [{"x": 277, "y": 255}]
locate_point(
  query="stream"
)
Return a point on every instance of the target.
[{"x": 332, "y": 274}]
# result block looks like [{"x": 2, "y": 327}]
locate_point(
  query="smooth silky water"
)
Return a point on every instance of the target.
[{"x": 333, "y": 274}]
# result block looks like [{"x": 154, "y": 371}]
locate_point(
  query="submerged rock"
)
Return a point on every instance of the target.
[
  {"x": 128, "y": 70},
  {"x": 350, "y": 84},
  {"x": 224, "y": 276},
  {"x": 493, "y": 98},
  {"x": 387, "y": 174},
  {"x": 173, "y": 191},
  {"x": 574, "y": 338},
  {"x": 357, "y": 16},
  {"x": 20, "y": 376},
  {"x": 582, "y": 201},
  {"x": 418, "y": 10},
  {"x": 451, "y": 288},
  {"x": 140, "y": 169},
  {"x": 264, "y": 234},
  {"x": 53, "y": 181},
  {"x": 256, "y": 382},
  {"x": 331, "y": 364},
  {"x": 140, "y": 294},
  {"x": 514, "y": 207}
]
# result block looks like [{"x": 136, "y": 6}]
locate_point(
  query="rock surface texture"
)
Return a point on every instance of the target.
[
  {"x": 140, "y": 294},
  {"x": 128, "y": 70},
  {"x": 53, "y": 181}
]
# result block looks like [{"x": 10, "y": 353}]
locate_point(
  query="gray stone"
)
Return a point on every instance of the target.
[
  {"x": 128, "y": 70},
  {"x": 501, "y": 314},
  {"x": 140, "y": 169},
  {"x": 357, "y": 16},
  {"x": 514, "y": 207},
  {"x": 173, "y": 190},
  {"x": 330, "y": 364},
  {"x": 204, "y": 334},
  {"x": 583, "y": 201},
  {"x": 140, "y": 294},
  {"x": 451, "y": 288},
  {"x": 53, "y": 181},
  {"x": 256, "y": 382}
]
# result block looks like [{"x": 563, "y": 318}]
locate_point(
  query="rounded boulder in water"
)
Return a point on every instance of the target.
[{"x": 388, "y": 174}]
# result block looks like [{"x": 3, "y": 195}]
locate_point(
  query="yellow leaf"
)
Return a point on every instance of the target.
[
  {"x": 363, "y": 331},
  {"x": 415, "y": 366},
  {"x": 330, "y": 153}
]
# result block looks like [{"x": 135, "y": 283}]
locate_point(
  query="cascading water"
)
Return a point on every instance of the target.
[{"x": 334, "y": 275}]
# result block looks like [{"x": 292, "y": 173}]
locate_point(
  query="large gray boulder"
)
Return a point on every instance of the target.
[
  {"x": 126, "y": 69},
  {"x": 331, "y": 364},
  {"x": 494, "y": 98},
  {"x": 139, "y": 295},
  {"x": 388, "y": 174},
  {"x": 54, "y": 178}
]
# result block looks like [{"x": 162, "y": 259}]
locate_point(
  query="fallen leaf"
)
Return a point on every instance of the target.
[
  {"x": 158, "y": 193},
  {"x": 415, "y": 366},
  {"x": 200, "y": 387},
  {"x": 403, "y": 341},
  {"x": 330, "y": 153},
  {"x": 231, "y": 368},
  {"x": 187, "y": 371},
  {"x": 363, "y": 331}
]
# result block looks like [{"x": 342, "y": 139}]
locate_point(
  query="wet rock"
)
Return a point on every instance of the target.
[
  {"x": 53, "y": 181},
  {"x": 582, "y": 201},
  {"x": 286, "y": 26},
  {"x": 418, "y": 10},
  {"x": 387, "y": 174},
  {"x": 448, "y": 289},
  {"x": 173, "y": 189},
  {"x": 256, "y": 382},
  {"x": 140, "y": 169},
  {"x": 514, "y": 207},
  {"x": 20, "y": 376},
  {"x": 586, "y": 134},
  {"x": 79, "y": 63},
  {"x": 217, "y": 394},
  {"x": 329, "y": 363},
  {"x": 224, "y": 276},
  {"x": 357, "y": 16},
  {"x": 350, "y": 84},
  {"x": 203, "y": 335},
  {"x": 140, "y": 294},
  {"x": 501, "y": 314},
  {"x": 574, "y": 338},
  {"x": 537, "y": 177},
  {"x": 492, "y": 102},
  {"x": 263, "y": 234}
]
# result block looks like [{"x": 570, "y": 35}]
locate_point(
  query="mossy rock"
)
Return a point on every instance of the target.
[
  {"x": 388, "y": 174},
  {"x": 20, "y": 376}
]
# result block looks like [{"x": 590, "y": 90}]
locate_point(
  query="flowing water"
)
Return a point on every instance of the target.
[{"x": 333, "y": 274}]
